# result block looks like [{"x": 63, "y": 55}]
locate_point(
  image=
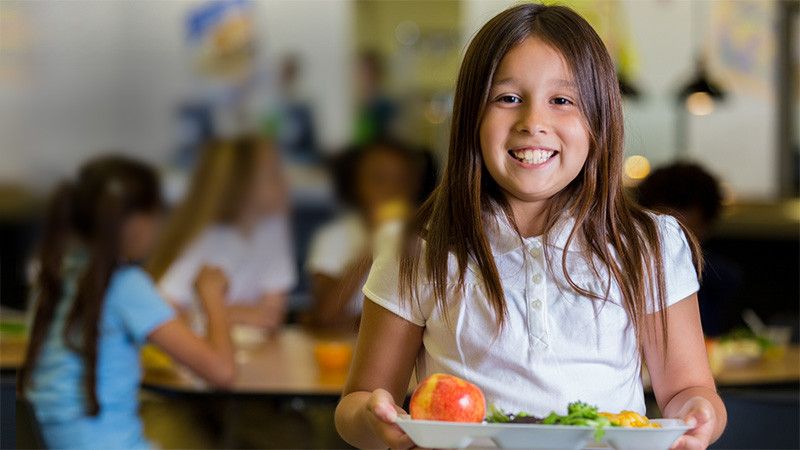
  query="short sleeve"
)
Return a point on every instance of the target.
[
  {"x": 280, "y": 274},
  {"x": 680, "y": 275},
  {"x": 332, "y": 249},
  {"x": 383, "y": 283},
  {"x": 133, "y": 297}
]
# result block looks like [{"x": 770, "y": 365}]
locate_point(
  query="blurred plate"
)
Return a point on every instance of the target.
[
  {"x": 247, "y": 335},
  {"x": 434, "y": 434}
]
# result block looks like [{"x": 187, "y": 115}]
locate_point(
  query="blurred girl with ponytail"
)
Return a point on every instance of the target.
[{"x": 95, "y": 308}]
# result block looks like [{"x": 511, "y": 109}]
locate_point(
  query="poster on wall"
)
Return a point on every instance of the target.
[
  {"x": 740, "y": 49},
  {"x": 222, "y": 40},
  {"x": 223, "y": 51}
]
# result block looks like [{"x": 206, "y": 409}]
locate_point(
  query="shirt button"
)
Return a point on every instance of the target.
[
  {"x": 537, "y": 304},
  {"x": 537, "y": 278},
  {"x": 536, "y": 252}
]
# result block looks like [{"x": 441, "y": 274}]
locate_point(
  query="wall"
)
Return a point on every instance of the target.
[{"x": 81, "y": 77}]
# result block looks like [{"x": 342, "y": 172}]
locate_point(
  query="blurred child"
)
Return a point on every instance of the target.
[
  {"x": 693, "y": 195},
  {"x": 378, "y": 113},
  {"x": 377, "y": 182},
  {"x": 95, "y": 308},
  {"x": 528, "y": 272},
  {"x": 233, "y": 217}
]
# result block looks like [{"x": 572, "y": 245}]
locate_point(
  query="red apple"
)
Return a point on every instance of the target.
[{"x": 447, "y": 398}]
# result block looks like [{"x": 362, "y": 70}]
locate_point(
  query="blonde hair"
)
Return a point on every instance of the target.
[{"x": 222, "y": 178}]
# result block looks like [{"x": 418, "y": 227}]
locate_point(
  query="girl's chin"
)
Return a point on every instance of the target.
[{"x": 528, "y": 194}]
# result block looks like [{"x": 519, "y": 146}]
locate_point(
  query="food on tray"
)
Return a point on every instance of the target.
[
  {"x": 629, "y": 419},
  {"x": 496, "y": 415},
  {"x": 578, "y": 414},
  {"x": 448, "y": 398}
]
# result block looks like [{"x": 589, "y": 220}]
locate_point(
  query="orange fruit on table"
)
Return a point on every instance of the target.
[{"x": 333, "y": 356}]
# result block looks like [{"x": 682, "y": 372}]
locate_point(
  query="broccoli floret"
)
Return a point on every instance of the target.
[{"x": 580, "y": 408}]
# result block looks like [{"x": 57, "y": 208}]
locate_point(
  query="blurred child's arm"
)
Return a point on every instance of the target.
[
  {"x": 269, "y": 313},
  {"x": 682, "y": 382},
  {"x": 180, "y": 309},
  {"x": 212, "y": 358},
  {"x": 331, "y": 295},
  {"x": 379, "y": 376},
  {"x": 200, "y": 355}
]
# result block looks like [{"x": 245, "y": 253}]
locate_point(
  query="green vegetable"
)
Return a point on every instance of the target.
[
  {"x": 578, "y": 414},
  {"x": 742, "y": 333},
  {"x": 583, "y": 415},
  {"x": 496, "y": 415}
]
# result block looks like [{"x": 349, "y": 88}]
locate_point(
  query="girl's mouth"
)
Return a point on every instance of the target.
[{"x": 532, "y": 156}]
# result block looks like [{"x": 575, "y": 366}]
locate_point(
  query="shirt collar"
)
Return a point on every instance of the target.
[{"x": 504, "y": 239}]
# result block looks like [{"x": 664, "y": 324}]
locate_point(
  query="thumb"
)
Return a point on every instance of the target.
[
  {"x": 697, "y": 416},
  {"x": 381, "y": 403}
]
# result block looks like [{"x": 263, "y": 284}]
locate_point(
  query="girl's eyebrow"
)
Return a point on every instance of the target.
[
  {"x": 507, "y": 80},
  {"x": 558, "y": 82},
  {"x": 562, "y": 83}
]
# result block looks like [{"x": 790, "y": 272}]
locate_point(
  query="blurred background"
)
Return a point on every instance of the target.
[{"x": 711, "y": 95}]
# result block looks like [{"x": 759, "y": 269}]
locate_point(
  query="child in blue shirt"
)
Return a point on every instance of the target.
[{"x": 95, "y": 308}]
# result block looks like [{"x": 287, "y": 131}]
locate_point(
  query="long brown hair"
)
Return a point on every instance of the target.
[
  {"x": 219, "y": 183},
  {"x": 91, "y": 212},
  {"x": 451, "y": 220}
]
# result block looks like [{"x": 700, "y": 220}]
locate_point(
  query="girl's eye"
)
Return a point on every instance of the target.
[
  {"x": 509, "y": 99},
  {"x": 562, "y": 101}
]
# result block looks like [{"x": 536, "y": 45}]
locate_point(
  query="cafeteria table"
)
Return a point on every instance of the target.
[{"x": 284, "y": 366}]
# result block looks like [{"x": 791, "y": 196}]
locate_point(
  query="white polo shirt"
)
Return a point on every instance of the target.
[
  {"x": 557, "y": 346},
  {"x": 260, "y": 263}
]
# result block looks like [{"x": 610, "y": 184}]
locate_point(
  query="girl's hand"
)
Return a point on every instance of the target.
[
  {"x": 211, "y": 285},
  {"x": 381, "y": 413},
  {"x": 698, "y": 413}
]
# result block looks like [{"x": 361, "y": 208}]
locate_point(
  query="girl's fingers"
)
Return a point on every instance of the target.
[
  {"x": 698, "y": 416},
  {"x": 383, "y": 414},
  {"x": 391, "y": 434},
  {"x": 381, "y": 404},
  {"x": 687, "y": 442}
]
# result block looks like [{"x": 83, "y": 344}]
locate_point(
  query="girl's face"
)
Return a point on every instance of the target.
[
  {"x": 139, "y": 233},
  {"x": 533, "y": 136},
  {"x": 383, "y": 176},
  {"x": 268, "y": 193}
]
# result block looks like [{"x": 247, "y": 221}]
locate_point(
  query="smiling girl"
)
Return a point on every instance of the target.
[{"x": 528, "y": 272}]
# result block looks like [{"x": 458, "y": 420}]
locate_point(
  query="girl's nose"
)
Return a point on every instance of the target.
[{"x": 532, "y": 120}]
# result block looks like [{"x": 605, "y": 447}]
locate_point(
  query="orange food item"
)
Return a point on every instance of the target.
[
  {"x": 630, "y": 419},
  {"x": 333, "y": 356},
  {"x": 447, "y": 398}
]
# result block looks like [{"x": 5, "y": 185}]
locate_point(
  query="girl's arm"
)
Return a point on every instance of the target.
[
  {"x": 180, "y": 309},
  {"x": 269, "y": 313},
  {"x": 212, "y": 358},
  {"x": 682, "y": 382},
  {"x": 332, "y": 294},
  {"x": 379, "y": 376}
]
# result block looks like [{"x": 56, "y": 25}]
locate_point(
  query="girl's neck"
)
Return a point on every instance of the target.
[
  {"x": 246, "y": 223},
  {"x": 530, "y": 217}
]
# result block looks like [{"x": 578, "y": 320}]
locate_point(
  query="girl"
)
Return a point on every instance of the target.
[
  {"x": 376, "y": 181},
  {"x": 233, "y": 217},
  {"x": 95, "y": 308},
  {"x": 528, "y": 272}
]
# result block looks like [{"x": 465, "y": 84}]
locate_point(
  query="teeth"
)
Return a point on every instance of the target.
[{"x": 533, "y": 156}]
